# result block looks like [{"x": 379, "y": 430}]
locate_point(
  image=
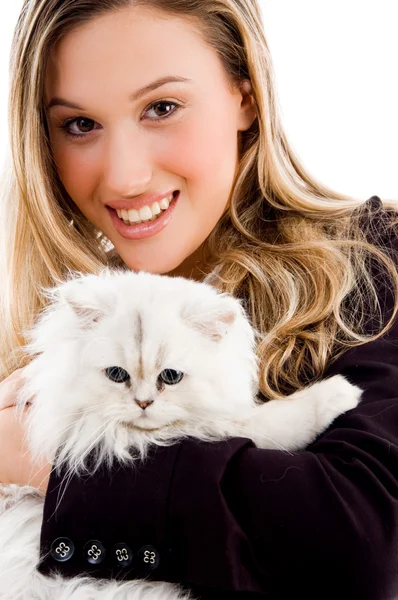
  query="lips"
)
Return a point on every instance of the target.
[{"x": 144, "y": 230}]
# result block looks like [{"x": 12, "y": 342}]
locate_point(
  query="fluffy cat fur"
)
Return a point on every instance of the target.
[{"x": 187, "y": 356}]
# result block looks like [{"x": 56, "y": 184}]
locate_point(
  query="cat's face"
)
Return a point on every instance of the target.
[
  {"x": 144, "y": 366},
  {"x": 144, "y": 352}
]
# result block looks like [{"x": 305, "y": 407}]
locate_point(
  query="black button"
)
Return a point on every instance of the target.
[
  {"x": 121, "y": 555},
  {"x": 148, "y": 557},
  {"x": 94, "y": 552},
  {"x": 62, "y": 549}
]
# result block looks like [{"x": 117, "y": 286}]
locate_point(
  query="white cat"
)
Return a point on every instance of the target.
[{"x": 124, "y": 360}]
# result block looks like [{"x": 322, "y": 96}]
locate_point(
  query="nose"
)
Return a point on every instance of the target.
[
  {"x": 128, "y": 168},
  {"x": 144, "y": 403}
]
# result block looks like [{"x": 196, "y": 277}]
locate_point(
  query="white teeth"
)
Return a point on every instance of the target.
[
  {"x": 164, "y": 203},
  {"x": 132, "y": 215},
  {"x": 145, "y": 213},
  {"x": 156, "y": 208}
]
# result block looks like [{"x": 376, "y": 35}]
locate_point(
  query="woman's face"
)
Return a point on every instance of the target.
[{"x": 180, "y": 136}]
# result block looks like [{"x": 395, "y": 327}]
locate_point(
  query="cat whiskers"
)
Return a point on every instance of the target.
[
  {"x": 106, "y": 425},
  {"x": 81, "y": 413}
]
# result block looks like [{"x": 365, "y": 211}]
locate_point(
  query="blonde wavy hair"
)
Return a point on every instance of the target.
[{"x": 294, "y": 251}]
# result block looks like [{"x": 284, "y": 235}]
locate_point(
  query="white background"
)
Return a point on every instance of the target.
[{"x": 336, "y": 66}]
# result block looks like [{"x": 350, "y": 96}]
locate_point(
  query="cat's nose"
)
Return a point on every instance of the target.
[{"x": 144, "y": 403}]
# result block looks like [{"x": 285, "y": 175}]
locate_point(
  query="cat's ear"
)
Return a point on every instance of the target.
[
  {"x": 212, "y": 320},
  {"x": 87, "y": 306},
  {"x": 87, "y": 314}
]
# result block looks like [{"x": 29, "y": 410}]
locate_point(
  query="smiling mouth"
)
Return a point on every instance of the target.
[{"x": 147, "y": 216}]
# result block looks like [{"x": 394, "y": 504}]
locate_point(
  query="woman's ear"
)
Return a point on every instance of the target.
[{"x": 248, "y": 111}]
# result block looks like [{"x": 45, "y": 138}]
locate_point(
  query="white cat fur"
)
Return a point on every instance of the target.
[{"x": 117, "y": 318}]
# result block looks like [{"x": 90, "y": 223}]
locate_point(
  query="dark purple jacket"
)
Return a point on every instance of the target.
[{"x": 229, "y": 520}]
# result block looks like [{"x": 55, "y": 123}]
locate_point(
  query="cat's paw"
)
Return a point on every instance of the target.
[{"x": 335, "y": 396}]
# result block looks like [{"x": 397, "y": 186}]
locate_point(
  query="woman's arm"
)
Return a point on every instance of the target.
[{"x": 228, "y": 516}]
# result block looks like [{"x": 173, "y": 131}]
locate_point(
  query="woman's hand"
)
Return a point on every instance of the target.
[
  {"x": 9, "y": 389},
  {"x": 16, "y": 463}
]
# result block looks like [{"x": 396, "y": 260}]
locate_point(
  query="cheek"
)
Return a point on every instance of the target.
[
  {"x": 204, "y": 150},
  {"x": 171, "y": 400},
  {"x": 78, "y": 170},
  {"x": 205, "y": 158}
]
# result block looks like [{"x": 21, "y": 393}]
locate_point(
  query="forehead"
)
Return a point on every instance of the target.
[{"x": 127, "y": 49}]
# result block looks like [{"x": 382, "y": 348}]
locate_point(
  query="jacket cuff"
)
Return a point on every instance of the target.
[
  {"x": 111, "y": 524},
  {"x": 167, "y": 515}
]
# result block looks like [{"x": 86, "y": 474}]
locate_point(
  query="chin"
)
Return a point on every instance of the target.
[
  {"x": 143, "y": 424},
  {"x": 161, "y": 267}
]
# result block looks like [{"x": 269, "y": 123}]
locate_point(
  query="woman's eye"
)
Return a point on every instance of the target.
[
  {"x": 80, "y": 123},
  {"x": 171, "y": 376},
  {"x": 117, "y": 374},
  {"x": 83, "y": 125},
  {"x": 80, "y": 127},
  {"x": 164, "y": 103}
]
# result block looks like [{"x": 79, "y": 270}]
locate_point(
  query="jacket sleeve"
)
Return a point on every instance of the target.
[{"x": 228, "y": 517}]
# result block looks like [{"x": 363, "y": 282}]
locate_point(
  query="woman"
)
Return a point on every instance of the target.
[{"x": 315, "y": 269}]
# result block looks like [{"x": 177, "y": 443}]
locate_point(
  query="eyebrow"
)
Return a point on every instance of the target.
[{"x": 56, "y": 101}]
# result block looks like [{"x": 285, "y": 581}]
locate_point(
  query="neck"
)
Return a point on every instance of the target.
[{"x": 193, "y": 267}]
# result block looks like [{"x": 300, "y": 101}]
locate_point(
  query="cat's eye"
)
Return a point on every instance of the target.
[
  {"x": 171, "y": 376},
  {"x": 117, "y": 374}
]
